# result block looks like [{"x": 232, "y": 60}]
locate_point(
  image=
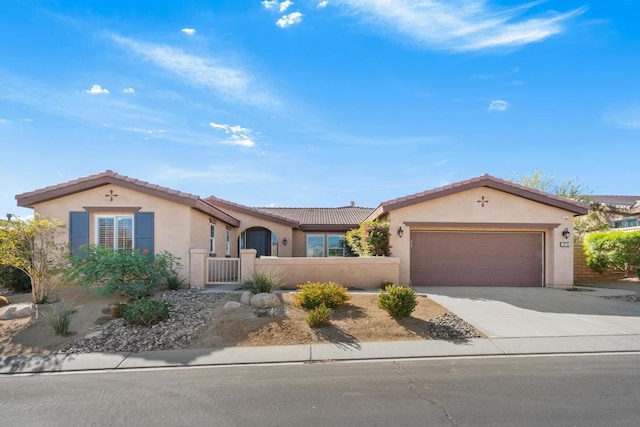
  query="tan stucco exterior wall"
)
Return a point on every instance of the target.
[
  {"x": 501, "y": 208},
  {"x": 300, "y": 240},
  {"x": 247, "y": 221},
  {"x": 177, "y": 228}
]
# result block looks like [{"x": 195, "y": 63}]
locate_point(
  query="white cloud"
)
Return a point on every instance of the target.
[
  {"x": 188, "y": 31},
  {"x": 270, "y": 4},
  {"x": 97, "y": 90},
  {"x": 499, "y": 105},
  {"x": 290, "y": 19},
  {"x": 231, "y": 82},
  {"x": 129, "y": 90},
  {"x": 285, "y": 5},
  {"x": 322, "y": 3},
  {"x": 627, "y": 118},
  {"x": 462, "y": 25},
  {"x": 3, "y": 121},
  {"x": 238, "y": 135}
]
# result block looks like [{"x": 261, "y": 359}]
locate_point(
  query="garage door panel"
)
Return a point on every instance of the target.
[{"x": 477, "y": 259}]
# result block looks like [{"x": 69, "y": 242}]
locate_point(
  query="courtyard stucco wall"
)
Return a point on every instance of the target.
[{"x": 363, "y": 272}]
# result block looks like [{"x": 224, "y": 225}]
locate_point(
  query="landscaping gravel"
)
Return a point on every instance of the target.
[{"x": 189, "y": 310}]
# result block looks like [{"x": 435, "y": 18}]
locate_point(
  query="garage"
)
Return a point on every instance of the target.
[{"x": 465, "y": 258}]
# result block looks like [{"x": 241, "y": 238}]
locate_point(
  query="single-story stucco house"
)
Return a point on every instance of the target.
[{"x": 481, "y": 232}]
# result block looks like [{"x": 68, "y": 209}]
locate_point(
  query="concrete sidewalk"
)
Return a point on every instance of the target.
[
  {"x": 318, "y": 353},
  {"x": 516, "y": 321}
]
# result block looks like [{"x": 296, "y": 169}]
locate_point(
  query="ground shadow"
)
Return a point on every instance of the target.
[{"x": 340, "y": 338}]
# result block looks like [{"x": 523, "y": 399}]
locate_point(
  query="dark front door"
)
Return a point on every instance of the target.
[{"x": 260, "y": 240}]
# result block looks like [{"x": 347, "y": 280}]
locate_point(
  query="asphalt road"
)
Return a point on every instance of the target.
[{"x": 501, "y": 391}]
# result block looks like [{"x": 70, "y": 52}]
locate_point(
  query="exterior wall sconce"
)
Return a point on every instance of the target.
[
  {"x": 284, "y": 241},
  {"x": 400, "y": 232},
  {"x": 566, "y": 233}
]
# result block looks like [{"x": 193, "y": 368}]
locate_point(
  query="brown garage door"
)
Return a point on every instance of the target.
[{"x": 476, "y": 259}]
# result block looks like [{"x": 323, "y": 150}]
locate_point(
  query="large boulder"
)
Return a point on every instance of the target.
[
  {"x": 17, "y": 311},
  {"x": 265, "y": 300},
  {"x": 245, "y": 298}
]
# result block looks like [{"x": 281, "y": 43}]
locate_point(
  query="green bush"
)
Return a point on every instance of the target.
[
  {"x": 398, "y": 301},
  {"x": 146, "y": 312},
  {"x": 14, "y": 279},
  {"x": 319, "y": 316},
  {"x": 263, "y": 282},
  {"x": 617, "y": 250},
  {"x": 59, "y": 318},
  {"x": 125, "y": 272},
  {"x": 312, "y": 295}
]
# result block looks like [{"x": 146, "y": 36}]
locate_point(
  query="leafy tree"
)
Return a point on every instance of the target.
[
  {"x": 370, "y": 239},
  {"x": 572, "y": 188},
  {"x": 617, "y": 250},
  {"x": 32, "y": 245}
]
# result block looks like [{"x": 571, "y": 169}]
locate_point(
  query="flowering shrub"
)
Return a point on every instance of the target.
[
  {"x": 370, "y": 239},
  {"x": 124, "y": 272},
  {"x": 313, "y": 295}
]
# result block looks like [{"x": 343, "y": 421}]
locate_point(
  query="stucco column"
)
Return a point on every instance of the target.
[
  {"x": 197, "y": 260},
  {"x": 247, "y": 264}
]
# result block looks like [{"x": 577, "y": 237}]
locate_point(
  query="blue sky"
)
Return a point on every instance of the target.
[{"x": 318, "y": 103}]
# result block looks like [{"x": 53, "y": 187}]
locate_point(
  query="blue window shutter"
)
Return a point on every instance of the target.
[
  {"x": 78, "y": 230},
  {"x": 144, "y": 231}
]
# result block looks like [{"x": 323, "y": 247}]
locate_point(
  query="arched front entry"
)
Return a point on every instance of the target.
[{"x": 261, "y": 239}]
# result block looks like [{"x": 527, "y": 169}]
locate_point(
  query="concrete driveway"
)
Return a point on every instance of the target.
[{"x": 540, "y": 312}]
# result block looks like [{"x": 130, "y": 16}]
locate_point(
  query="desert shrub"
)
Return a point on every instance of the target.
[
  {"x": 14, "y": 279},
  {"x": 128, "y": 273},
  {"x": 3, "y": 301},
  {"x": 59, "y": 318},
  {"x": 146, "y": 312},
  {"x": 398, "y": 301},
  {"x": 263, "y": 282},
  {"x": 319, "y": 316},
  {"x": 174, "y": 281},
  {"x": 312, "y": 295}
]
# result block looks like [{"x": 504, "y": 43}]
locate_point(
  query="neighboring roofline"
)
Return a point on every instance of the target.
[
  {"x": 252, "y": 211},
  {"x": 328, "y": 227},
  {"x": 108, "y": 177},
  {"x": 578, "y": 208}
]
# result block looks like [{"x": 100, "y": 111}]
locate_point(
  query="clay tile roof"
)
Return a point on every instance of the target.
[
  {"x": 624, "y": 202},
  {"x": 221, "y": 203},
  {"x": 490, "y": 182},
  {"x": 32, "y": 198},
  {"x": 330, "y": 218}
]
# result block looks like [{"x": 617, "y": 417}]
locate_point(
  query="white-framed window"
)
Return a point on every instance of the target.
[
  {"x": 315, "y": 245},
  {"x": 335, "y": 245},
  {"x": 114, "y": 231},
  {"x": 227, "y": 242},
  {"x": 212, "y": 238}
]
